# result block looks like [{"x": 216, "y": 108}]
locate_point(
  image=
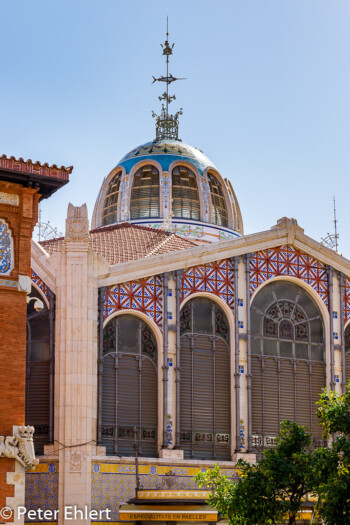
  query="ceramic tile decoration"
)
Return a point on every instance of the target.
[
  {"x": 215, "y": 278},
  {"x": 287, "y": 260},
  {"x": 6, "y": 249},
  {"x": 144, "y": 295}
]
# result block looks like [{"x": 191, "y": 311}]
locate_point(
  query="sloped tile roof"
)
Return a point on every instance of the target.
[{"x": 127, "y": 242}]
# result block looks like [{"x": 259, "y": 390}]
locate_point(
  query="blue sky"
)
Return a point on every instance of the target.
[{"x": 266, "y": 96}]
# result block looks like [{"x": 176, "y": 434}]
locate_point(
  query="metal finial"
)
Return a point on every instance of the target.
[{"x": 167, "y": 126}]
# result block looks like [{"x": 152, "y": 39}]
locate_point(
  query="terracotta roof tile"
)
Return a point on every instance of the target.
[
  {"x": 127, "y": 242},
  {"x": 28, "y": 166}
]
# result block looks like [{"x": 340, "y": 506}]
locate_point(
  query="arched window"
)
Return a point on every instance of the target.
[
  {"x": 39, "y": 372},
  {"x": 218, "y": 204},
  {"x": 110, "y": 210},
  {"x": 129, "y": 387},
  {"x": 205, "y": 381},
  {"x": 145, "y": 193},
  {"x": 288, "y": 368},
  {"x": 185, "y": 193},
  {"x": 347, "y": 353}
]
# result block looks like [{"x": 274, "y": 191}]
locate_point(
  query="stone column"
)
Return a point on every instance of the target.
[{"x": 76, "y": 364}]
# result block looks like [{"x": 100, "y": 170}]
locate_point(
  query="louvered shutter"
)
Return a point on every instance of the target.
[
  {"x": 149, "y": 409},
  {"x": 286, "y": 390},
  {"x": 109, "y": 404},
  {"x": 304, "y": 405},
  {"x": 38, "y": 402},
  {"x": 318, "y": 382},
  {"x": 347, "y": 366},
  {"x": 257, "y": 394},
  {"x": 270, "y": 379}
]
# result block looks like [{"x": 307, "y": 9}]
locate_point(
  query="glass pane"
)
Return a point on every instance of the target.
[
  {"x": 317, "y": 353},
  {"x": 286, "y": 330},
  {"x": 270, "y": 327},
  {"x": 285, "y": 291},
  {"x": 185, "y": 318},
  {"x": 264, "y": 298},
  {"x": 149, "y": 345},
  {"x": 256, "y": 346},
  {"x": 128, "y": 334},
  {"x": 307, "y": 304},
  {"x": 316, "y": 331},
  {"x": 40, "y": 327},
  {"x": 202, "y": 316},
  {"x": 301, "y": 351},
  {"x": 347, "y": 338},
  {"x": 286, "y": 349},
  {"x": 302, "y": 332},
  {"x": 255, "y": 322},
  {"x": 40, "y": 351},
  {"x": 109, "y": 337},
  {"x": 270, "y": 347}
]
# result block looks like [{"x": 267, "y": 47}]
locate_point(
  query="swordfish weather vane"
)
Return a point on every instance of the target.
[{"x": 167, "y": 126}]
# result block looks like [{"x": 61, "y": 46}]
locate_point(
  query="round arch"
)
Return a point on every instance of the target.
[
  {"x": 194, "y": 169},
  {"x": 213, "y": 171},
  {"x": 130, "y": 177},
  {"x": 97, "y": 216},
  {"x": 320, "y": 304},
  {"x": 159, "y": 339},
  {"x": 231, "y": 348}
]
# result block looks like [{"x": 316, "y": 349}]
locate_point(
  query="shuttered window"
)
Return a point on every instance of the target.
[
  {"x": 288, "y": 368},
  {"x": 205, "y": 381},
  {"x": 129, "y": 387},
  {"x": 110, "y": 210},
  {"x": 185, "y": 193},
  {"x": 38, "y": 387},
  {"x": 218, "y": 204},
  {"x": 145, "y": 193},
  {"x": 347, "y": 353}
]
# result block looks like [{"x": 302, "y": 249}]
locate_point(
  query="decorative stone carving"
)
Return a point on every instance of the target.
[
  {"x": 6, "y": 249},
  {"x": 75, "y": 462},
  {"x": 77, "y": 224},
  {"x": 19, "y": 446}
]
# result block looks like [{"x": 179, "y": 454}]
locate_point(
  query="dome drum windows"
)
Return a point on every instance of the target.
[
  {"x": 144, "y": 201},
  {"x": 205, "y": 381},
  {"x": 110, "y": 210},
  {"x": 129, "y": 387},
  {"x": 218, "y": 203},
  {"x": 185, "y": 194}
]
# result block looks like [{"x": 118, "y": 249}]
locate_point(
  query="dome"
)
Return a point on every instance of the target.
[{"x": 170, "y": 185}]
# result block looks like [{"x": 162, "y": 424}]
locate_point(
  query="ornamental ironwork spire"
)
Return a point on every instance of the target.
[{"x": 167, "y": 126}]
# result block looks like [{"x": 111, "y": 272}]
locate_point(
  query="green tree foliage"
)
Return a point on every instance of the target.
[
  {"x": 332, "y": 485},
  {"x": 271, "y": 491}
]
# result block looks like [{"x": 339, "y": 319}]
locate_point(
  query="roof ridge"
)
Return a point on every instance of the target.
[
  {"x": 163, "y": 243},
  {"x": 128, "y": 225}
]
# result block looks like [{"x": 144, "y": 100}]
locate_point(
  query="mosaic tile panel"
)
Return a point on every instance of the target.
[
  {"x": 145, "y": 295},
  {"x": 9, "y": 198},
  {"x": 287, "y": 260},
  {"x": 346, "y": 299},
  {"x": 41, "y": 488},
  {"x": 6, "y": 249},
  {"x": 40, "y": 283},
  {"x": 216, "y": 278},
  {"x": 114, "y": 485}
]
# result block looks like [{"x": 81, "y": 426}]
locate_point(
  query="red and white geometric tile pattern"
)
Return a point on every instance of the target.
[
  {"x": 216, "y": 278},
  {"x": 144, "y": 295},
  {"x": 287, "y": 260},
  {"x": 40, "y": 283},
  {"x": 346, "y": 298}
]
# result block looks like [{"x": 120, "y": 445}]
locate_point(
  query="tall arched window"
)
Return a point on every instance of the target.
[
  {"x": 288, "y": 368},
  {"x": 110, "y": 210},
  {"x": 185, "y": 193},
  {"x": 347, "y": 353},
  {"x": 145, "y": 193},
  {"x": 205, "y": 381},
  {"x": 218, "y": 204},
  {"x": 39, "y": 372},
  {"x": 129, "y": 387}
]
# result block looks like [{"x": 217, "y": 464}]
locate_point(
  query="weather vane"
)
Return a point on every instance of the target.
[
  {"x": 167, "y": 126},
  {"x": 331, "y": 240}
]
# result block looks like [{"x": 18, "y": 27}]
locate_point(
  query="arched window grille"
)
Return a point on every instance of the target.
[
  {"x": 145, "y": 193},
  {"x": 219, "y": 210},
  {"x": 129, "y": 387},
  {"x": 40, "y": 371},
  {"x": 347, "y": 353},
  {"x": 185, "y": 193},
  {"x": 205, "y": 381},
  {"x": 288, "y": 366},
  {"x": 110, "y": 210}
]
